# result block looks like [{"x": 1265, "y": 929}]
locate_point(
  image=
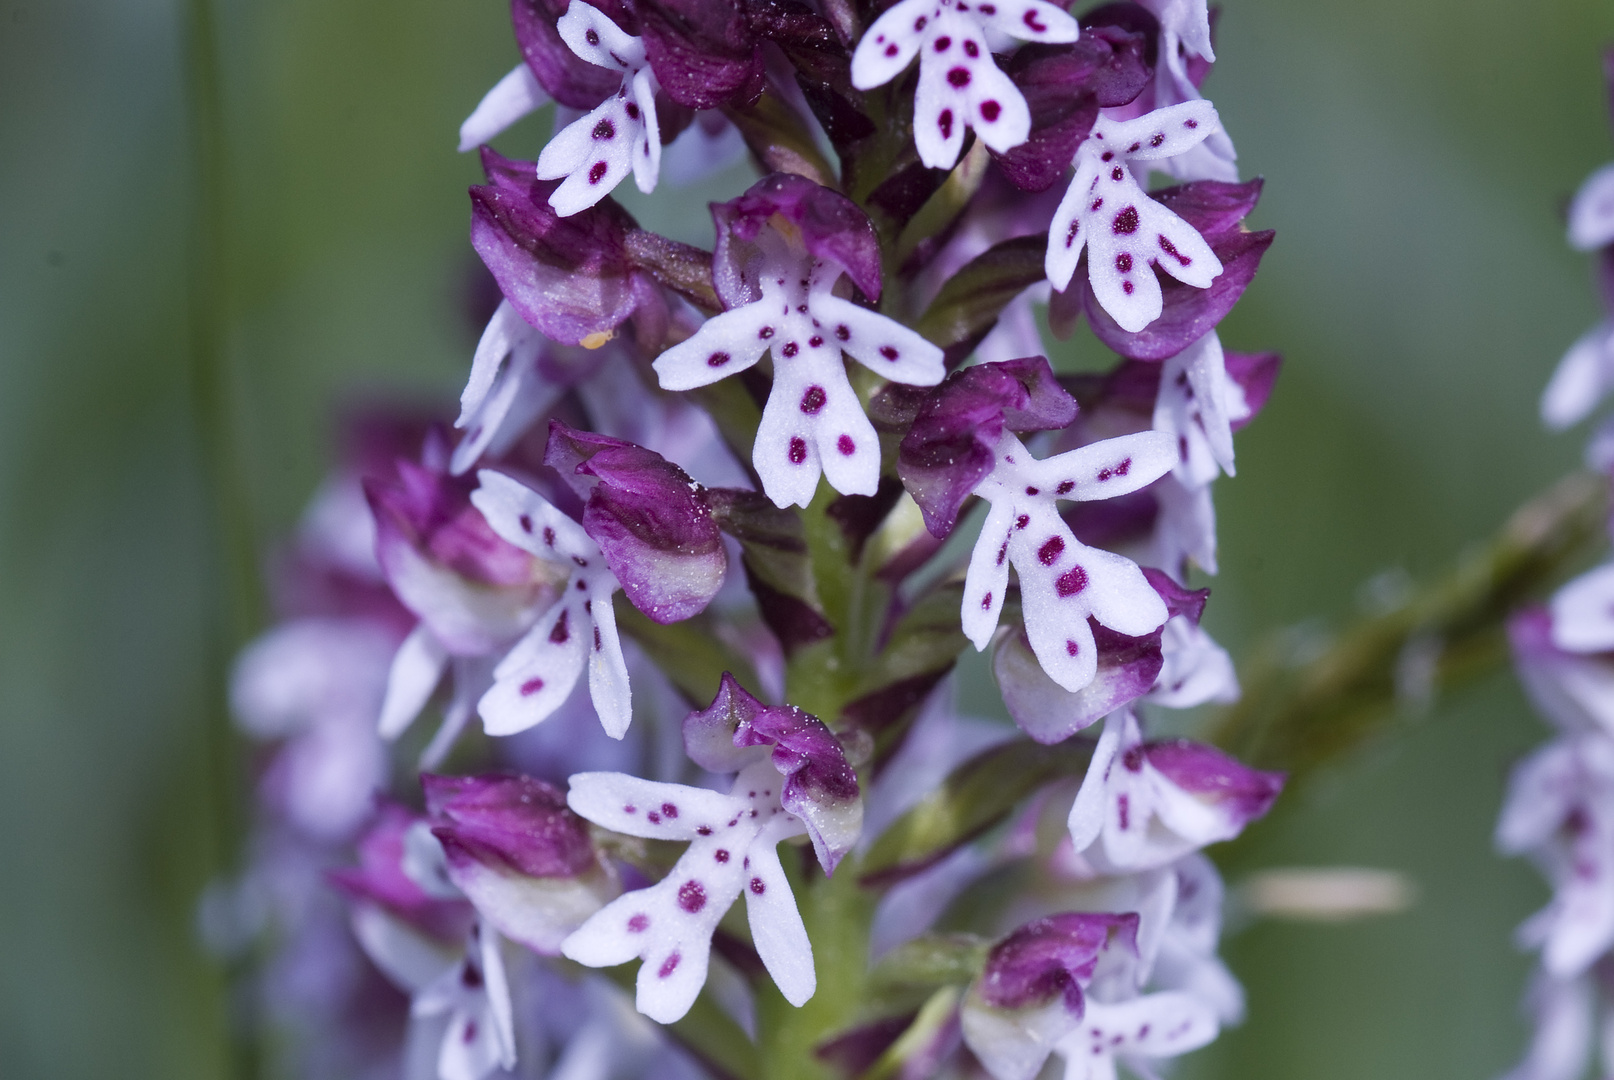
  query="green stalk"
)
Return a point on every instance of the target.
[
  {"x": 238, "y": 605},
  {"x": 1299, "y": 712}
]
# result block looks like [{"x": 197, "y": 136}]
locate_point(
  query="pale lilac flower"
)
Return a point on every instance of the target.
[
  {"x": 670, "y": 924},
  {"x": 1136, "y": 1033},
  {"x": 1560, "y": 811},
  {"x": 1574, "y": 690},
  {"x": 511, "y": 98},
  {"x": 577, "y": 631},
  {"x": 1147, "y": 804},
  {"x": 959, "y": 83},
  {"x": 1031, "y": 994},
  {"x": 793, "y": 778},
  {"x": 1563, "y": 1013},
  {"x": 317, "y": 683},
  {"x": 1125, "y": 232},
  {"x": 1200, "y": 403},
  {"x": 517, "y": 375},
  {"x": 621, "y": 135},
  {"x": 1583, "y": 613},
  {"x": 471, "y": 1000},
  {"x": 1582, "y": 379},
  {"x": 961, "y": 443},
  {"x": 1185, "y": 56},
  {"x": 782, "y": 248},
  {"x": 522, "y": 858}
]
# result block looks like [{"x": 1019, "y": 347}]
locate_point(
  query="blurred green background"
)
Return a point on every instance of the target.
[{"x": 1417, "y": 156}]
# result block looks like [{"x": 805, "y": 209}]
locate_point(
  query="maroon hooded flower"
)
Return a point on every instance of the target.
[
  {"x": 649, "y": 519},
  {"x": 570, "y": 277},
  {"x": 1030, "y": 994},
  {"x": 820, "y": 785},
  {"x": 950, "y": 448},
  {"x": 519, "y": 854}
]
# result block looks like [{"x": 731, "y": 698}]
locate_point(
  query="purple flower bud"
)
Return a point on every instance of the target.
[
  {"x": 380, "y": 879},
  {"x": 1030, "y": 995},
  {"x": 950, "y": 447},
  {"x": 1065, "y": 86},
  {"x": 1240, "y": 792},
  {"x": 702, "y": 51},
  {"x": 1056, "y": 955},
  {"x": 1127, "y": 669},
  {"x": 829, "y": 225},
  {"x": 820, "y": 785},
  {"x": 568, "y": 276},
  {"x": 569, "y": 79},
  {"x": 473, "y": 589},
  {"x": 1214, "y": 208},
  {"x": 648, "y": 518},
  {"x": 519, "y": 853}
]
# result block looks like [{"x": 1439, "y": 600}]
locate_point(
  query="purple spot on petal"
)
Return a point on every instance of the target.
[
  {"x": 815, "y": 341},
  {"x": 592, "y": 36},
  {"x": 549, "y": 536},
  {"x": 945, "y": 123},
  {"x": 1071, "y": 582},
  {"x": 990, "y": 111},
  {"x": 1126, "y": 287},
  {"x": 668, "y": 966},
  {"x": 639, "y": 923},
  {"x": 691, "y": 896},
  {"x": 1107, "y": 155},
  {"x": 843, "y": 332},
  {"x": 758, "y": 886},
  {"x": 653, "y": 817},
  {"x": 845, "y": 445},
  {"x": 669, "y": 810},
  {"x": 1071, "y": 648},
  {"x": 531, "y": 687},
  {"x": 1096, "y": 204},
  {"x": 704, "y": 830},
  {"x": 1030, "y": 19},
  {"x": 1031, "y": 491},
  {"x": 889, "y": 352},
  {"x": 632, "y": 111},
  {"x": 1126, "y": 222},
  {"x": 1133, "y": 759},
  {"x": 971, "y": 49},
  {"x": 798, "y": 450},
  {"x": 1190, "y": 124},
  {"x": 605, "y": 130},
  {"x": 526, "y": 523},
  {"x": 560, "y": 633},
  {"x": 596, "y": 172},
  {"x": 718, "y": 359},
  {"x": 596, "y": 639},
  {"x": 1022, "y": 521},
  {"x": 721, "y": 855},
  {"x": 765, "y": 333},
  {"x": 790, "y": 349},
  {"x": 812, "y": 400},
  {"x": 919, "y": 23},
  {"x": 1171, "y": 249},
  {"x": 959, "y": 76},
  {"x": 1065, "y": 488},
  {"x": 1116, "y": 173},
  {"x": 1123, "y": 263},
  {"x": 892, "y": 50},
  {"x": 943, "y": 43},
  {"x": 1050, "y": 551},
  {"x": 1159, "y": 137},
  {"x": 1121, "y": 807}
]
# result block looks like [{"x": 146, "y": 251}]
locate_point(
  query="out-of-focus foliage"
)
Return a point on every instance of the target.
[{"x": 1416, "y": 154}]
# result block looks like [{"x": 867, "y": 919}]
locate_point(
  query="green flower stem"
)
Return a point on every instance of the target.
[
  {"x": 239, "y": 605},
  {"x": 1299, "y": 712}
]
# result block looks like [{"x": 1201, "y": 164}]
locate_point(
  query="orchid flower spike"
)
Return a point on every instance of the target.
[
  {"x": 959, "y": 83},
  {"x": 962, "y": 443},
  {"x": 597, "y": 151},
  {"x": 1137, "y": 1033},
  {"x": 1143, "y": 805},
  {"x": 537, "y": 675},
  {"x": 782, "y": 248},
  {"x": 1124, "y": 231}
]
